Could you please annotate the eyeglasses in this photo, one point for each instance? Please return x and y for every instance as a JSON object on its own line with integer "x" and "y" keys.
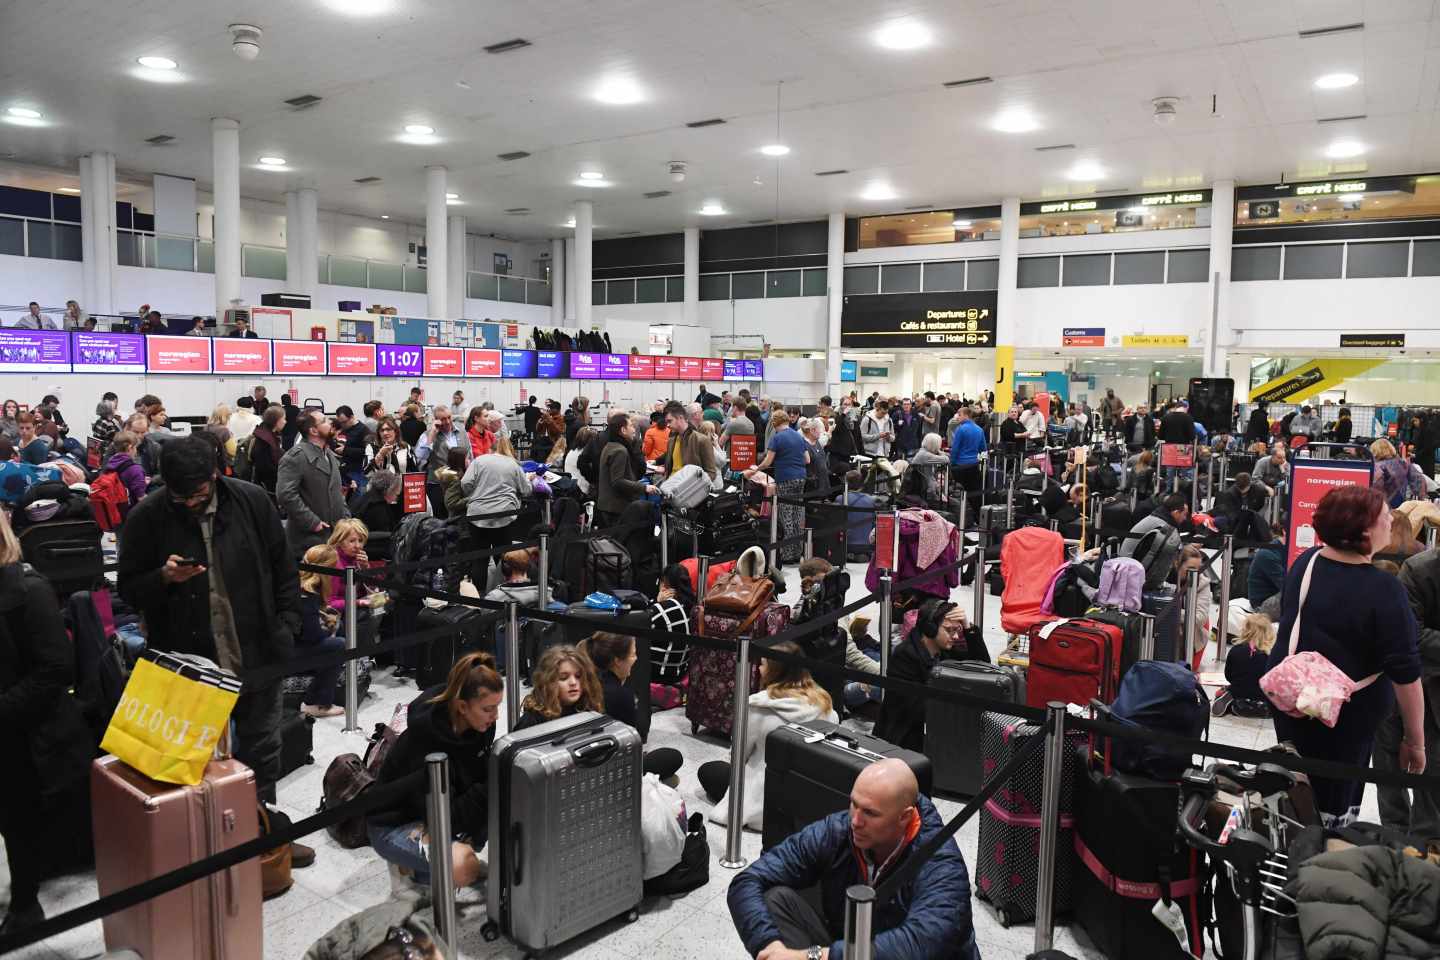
{"x": 199, "y": 496}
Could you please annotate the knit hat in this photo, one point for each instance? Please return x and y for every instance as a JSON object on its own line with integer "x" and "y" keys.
{"x": 859, "y": 626}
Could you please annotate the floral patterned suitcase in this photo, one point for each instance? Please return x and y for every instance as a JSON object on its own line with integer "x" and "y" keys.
{"x": 710, "y": 701}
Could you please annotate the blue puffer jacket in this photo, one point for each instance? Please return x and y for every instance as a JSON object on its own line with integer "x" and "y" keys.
{"x": 929, "y": 920}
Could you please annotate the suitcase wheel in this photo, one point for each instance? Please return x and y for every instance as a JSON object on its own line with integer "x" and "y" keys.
{"x": 633, "y": 915}
{"x": 694, "y": 728}
{"x": 1003, "y": 916}
{"x": 490, "y": 930}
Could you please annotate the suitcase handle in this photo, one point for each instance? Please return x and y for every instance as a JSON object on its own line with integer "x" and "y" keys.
{"x": 595, "y": 753}
{"x": 516, "y": 851}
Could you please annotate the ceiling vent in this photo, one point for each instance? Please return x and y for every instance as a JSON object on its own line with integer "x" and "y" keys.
{"x": 303, "y": 101}
{"x": 657, "y": 194}
{"x": 160, "y": 139}
{"x": 969, "y": 82}
{"x": 1356, "y": 116}
{"x": 830, "y": 173}
{"x": 757, "y": 223}
{"x": 518, "y": 211}
{"x": 1331, "y": 31}
{"x": 1055, "y": 146}
{"x": 922, "y": 206}
{"x": 514, "y": 155}
{"x": 630, "y": 233}
{"x": 507, "y": 45}
{"x": 712, "y": 122}
{"x": 366, "y": 181}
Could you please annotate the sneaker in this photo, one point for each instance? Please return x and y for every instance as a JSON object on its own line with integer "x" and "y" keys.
{"x": 313, "y": 710}
{"x": 1221, "y": 704}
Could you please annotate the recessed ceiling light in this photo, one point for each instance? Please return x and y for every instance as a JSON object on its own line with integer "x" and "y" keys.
{"x": 619, "y": 91}
{"x": 1351, "y": 197}
{"x": 903, "y": 35}
{"x": 68, "y": 190}
{"x": 712, "y": 208}
{"x": 452, "y": 196}
{"x": 591, "y": 175}
{"x": 878, "y": 191}
{"x": 1336, "y": 81}
{"x": 1016, "y": 120}
{"x": 157, "y": 63}
{"x": 569, "y": 223}
{"x": 1086, "y": 170}
{"x": 961, "y": 224}
{"x": 272, "y": 161}
{"x": 451, "y": 200}
{"x": 419, "y": 129}
{"x": 597, "y": 184}
{"x": 24, "y": 113}
{"x": 360, "y": 8}
{"x": 775, "y": 150}
{"x": 1344, "y": 149}
{"x": 384, "y": 216}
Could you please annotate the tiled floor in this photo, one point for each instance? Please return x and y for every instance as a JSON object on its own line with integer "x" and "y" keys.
{"x": 343, "y": 882}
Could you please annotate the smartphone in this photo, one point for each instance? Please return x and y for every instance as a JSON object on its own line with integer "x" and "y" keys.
{"x": 188, "y": 562}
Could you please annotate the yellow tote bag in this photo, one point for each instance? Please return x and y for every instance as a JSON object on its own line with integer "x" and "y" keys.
{"x": 170, "y": 718}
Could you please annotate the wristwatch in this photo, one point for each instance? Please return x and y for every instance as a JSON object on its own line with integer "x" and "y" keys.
{"x": 813, "y": 953}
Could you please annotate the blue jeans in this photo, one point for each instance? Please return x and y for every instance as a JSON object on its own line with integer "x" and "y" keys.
{"x": 858, "y": 693}
{"x": 405, "y": 846}
{"x": 324, "y": 683}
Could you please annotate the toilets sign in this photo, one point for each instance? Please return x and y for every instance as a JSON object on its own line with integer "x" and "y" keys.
{"x": 961, "y": 319}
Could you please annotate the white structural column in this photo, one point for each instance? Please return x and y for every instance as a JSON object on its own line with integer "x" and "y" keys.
{"x": 835, "y": 291}
{"x": 458, "y": 264}
{"x": 225, "y": 148}
{"x": 584, "y": 234}
{"x": 294, "y": 237}
{"x": 1216, "y": 362}
{"x": 97, "y": 232}
{"x": 557, "y": 281}
{"x": 571, "y": 297}
{"x": 437, "y": 259}
{"x": 692, "y": 277}
{"x": 1009, "y": 268}
{"x": 302, "y": 242}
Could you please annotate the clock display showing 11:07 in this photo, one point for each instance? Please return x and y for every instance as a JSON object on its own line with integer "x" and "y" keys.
{"x": 397, "y": 361}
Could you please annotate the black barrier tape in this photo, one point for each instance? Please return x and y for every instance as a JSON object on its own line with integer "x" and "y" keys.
{"x": 380, "y": 572}
{"x": 910, "y": 868}
{"x": 371, "y": 799}
{"x": 263, "y": 676}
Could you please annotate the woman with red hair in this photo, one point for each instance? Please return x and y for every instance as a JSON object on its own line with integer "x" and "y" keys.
{"x": 1360, "y": 619}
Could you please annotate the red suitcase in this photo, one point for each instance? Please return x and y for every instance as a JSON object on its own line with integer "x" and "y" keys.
{"x": 144, "y": 828}
{"x": 710, "y": 700}
{"x": 1074, "y": 661}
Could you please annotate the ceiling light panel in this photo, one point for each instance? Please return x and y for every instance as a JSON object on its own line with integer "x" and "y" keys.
{"x": 1344, "y": 149}
{"x": 619, "y": 91}
{"x": 775, "y": 150}
{"x": 1015, "y": 120}
{"x": 1336, "y": 81}
{"x": 905, "y": 34}
{"x": 157, "y": 63}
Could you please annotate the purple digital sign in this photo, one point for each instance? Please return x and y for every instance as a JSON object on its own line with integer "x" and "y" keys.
{"x": 107, "y": 353}
{"x": 398, "y": 360}
{"x": 754, "y": 369}
{"x": 38, "y": 351}
{"x": 585, "y": 366}
{"x": 614, "y": 366}
{"x": 734, "y": 369}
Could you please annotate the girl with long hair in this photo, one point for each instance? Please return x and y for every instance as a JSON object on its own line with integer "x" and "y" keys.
{"x": 564, "y": 682}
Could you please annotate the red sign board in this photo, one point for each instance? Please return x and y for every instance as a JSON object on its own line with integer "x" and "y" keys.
{"x": 412, "y": 493}
{"x": 443, "y": 362}
{"x": 299, "y": 358}
{"x": 666, "y": 368}
{"x": 690, "y": 368}
{"x": 1310, "y": 480}
{"x": 742, "y": 451}
{"x": 352, "y": 359}
{"x": 482, "y": 363}
{"x": 1180, "y": 455}
{"x": 884, "y": 541}
{"x": 177, "y": 354}
{"x": 236, "y": 355}
{"x": 712, "y": 368}
{"x": 642, "y": 367}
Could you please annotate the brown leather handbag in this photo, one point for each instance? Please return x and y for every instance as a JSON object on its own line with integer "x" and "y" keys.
{"x": 275, "y": 865}
{"x": 737, "y": 595}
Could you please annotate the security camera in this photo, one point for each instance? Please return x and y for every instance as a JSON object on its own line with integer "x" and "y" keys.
{"x": 677, "y": 171}
{"x": 245, "y": 40}
{"x": 1164, "y": 115}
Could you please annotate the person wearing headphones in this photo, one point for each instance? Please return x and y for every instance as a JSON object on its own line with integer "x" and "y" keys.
{"x": 939, "y": 633}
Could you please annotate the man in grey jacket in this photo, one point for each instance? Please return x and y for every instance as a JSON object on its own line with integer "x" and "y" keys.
{"x": 1420, "y": 816}
{"x": 308, "y": 485}
{"x": 1155, "y": 539}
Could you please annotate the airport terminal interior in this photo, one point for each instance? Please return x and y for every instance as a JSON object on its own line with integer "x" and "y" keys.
{"x": 1007, "y": 365}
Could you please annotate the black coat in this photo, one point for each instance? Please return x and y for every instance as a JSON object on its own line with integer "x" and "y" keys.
{"x": 46, "y": 742}
{"x": 1177, "y": 427}
{"x": 902, "y": 718}
{"x": 265, "y": 459}
{"x": 259, "y": 572}
{"x": 1258, "y": 427}
{"x": 1148, "y": 428}
{"x": 619, "y": 699}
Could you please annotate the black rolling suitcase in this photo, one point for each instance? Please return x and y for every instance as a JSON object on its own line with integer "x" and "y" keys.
{"x": 470, "y": 629}
{"x": 810, "y": 768}
{"x": 611, "y": 620}
{"x": 953, "y": 732}
{"x": 297, "y": 742}
{"x": 1131, "y": 626}
{"x": 1163, "y": 606}
{"x": 828, "y": 534}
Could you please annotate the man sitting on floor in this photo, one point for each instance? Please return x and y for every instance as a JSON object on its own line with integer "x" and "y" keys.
{"x": 887, "y": 821}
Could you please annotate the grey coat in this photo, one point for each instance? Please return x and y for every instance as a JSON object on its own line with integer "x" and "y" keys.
{"x": 308, "y": 490}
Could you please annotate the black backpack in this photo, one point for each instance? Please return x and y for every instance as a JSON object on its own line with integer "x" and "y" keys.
{"x": 693, "y": 870}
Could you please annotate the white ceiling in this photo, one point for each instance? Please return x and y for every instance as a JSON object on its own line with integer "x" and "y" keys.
{"x": 1086, "y": 69}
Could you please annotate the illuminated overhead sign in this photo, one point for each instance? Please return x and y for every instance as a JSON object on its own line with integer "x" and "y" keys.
{"x": 1167, "y": 199}
{"x": 1325, "y": 189}
{"x": 919, "y": 320}
{"x": 1069, "y": 206}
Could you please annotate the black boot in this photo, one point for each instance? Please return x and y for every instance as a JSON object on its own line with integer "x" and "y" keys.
{"x": 21, "y": 918}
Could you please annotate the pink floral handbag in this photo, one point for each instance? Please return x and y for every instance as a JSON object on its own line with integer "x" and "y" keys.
{"x": 1308, "y": 684}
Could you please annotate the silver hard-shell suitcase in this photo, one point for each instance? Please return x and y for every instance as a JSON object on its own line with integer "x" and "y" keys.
{"x": 953, "y": 732}
{"x": 564, "y": 838}
{"x": 687, "y": 488}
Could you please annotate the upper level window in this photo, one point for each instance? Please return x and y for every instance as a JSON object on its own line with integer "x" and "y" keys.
{"x": 934, "y": 226}
{"x": 1169, "y": 210}
{"x": 1338, "y": 199}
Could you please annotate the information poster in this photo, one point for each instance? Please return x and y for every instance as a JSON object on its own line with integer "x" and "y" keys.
{"x": 40, "y": 351}
{"x": 733, "y": 369}
{"x": 444, "y": 362}
{"x": 712, "y": 369}
{"x": 554, "y": 365}
{"x": 884, "y": 540}
{"x": 1310, "y": 480}
{"x": 642, "y": 367}
{"x": 176, "y": 354}
{"x": 234, "y": 355}
{"x": 690, "y": 368}
{"x": 667, "y": 368}
{"x": 585, "y": 366}
{"x": 107, "y": 353}
{"x": 754, "y": 369}
{"x": 517, "y": 363}
{"x": 742, "y": 451}
{"x": 299, "y": 358}
{"x": 1181, "y": 455}
{"x": 614, "y": 366}
{"x": 412, "y": 493}
{"x": 398, "y": 360}
{"x": 352, "y": 359}
{"x": 482, "y": 363}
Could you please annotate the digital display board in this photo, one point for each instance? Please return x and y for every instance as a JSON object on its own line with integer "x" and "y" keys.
{"x": 690, "y": 368}
{"x": 177, "y": 354}
{"x": 34, "y": 350}
{"x": 585, "y": 366}
{"x": 352, "y": 359}
{"x": 614, "y": 366}
{"x": 553, "y": 364}
{"x": 482, "y": 363}
{"x": 849, "y": 370}
{"x": 299, "y": 358}
{"x": 517, "y": 363}
{"x": 754, "y": 369}
{"x": 667, "y": 368}
{"x": 641, "y": 367}
{"x": 444, "y": 362}
{"x": 239, "y": 355}
{"x": 924, "y": 320}
{"x": 712, "y": 368}
{"x": 107, "y": 353}
{"x": 734, "y": 369}
{"x": 398, "y": 360}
